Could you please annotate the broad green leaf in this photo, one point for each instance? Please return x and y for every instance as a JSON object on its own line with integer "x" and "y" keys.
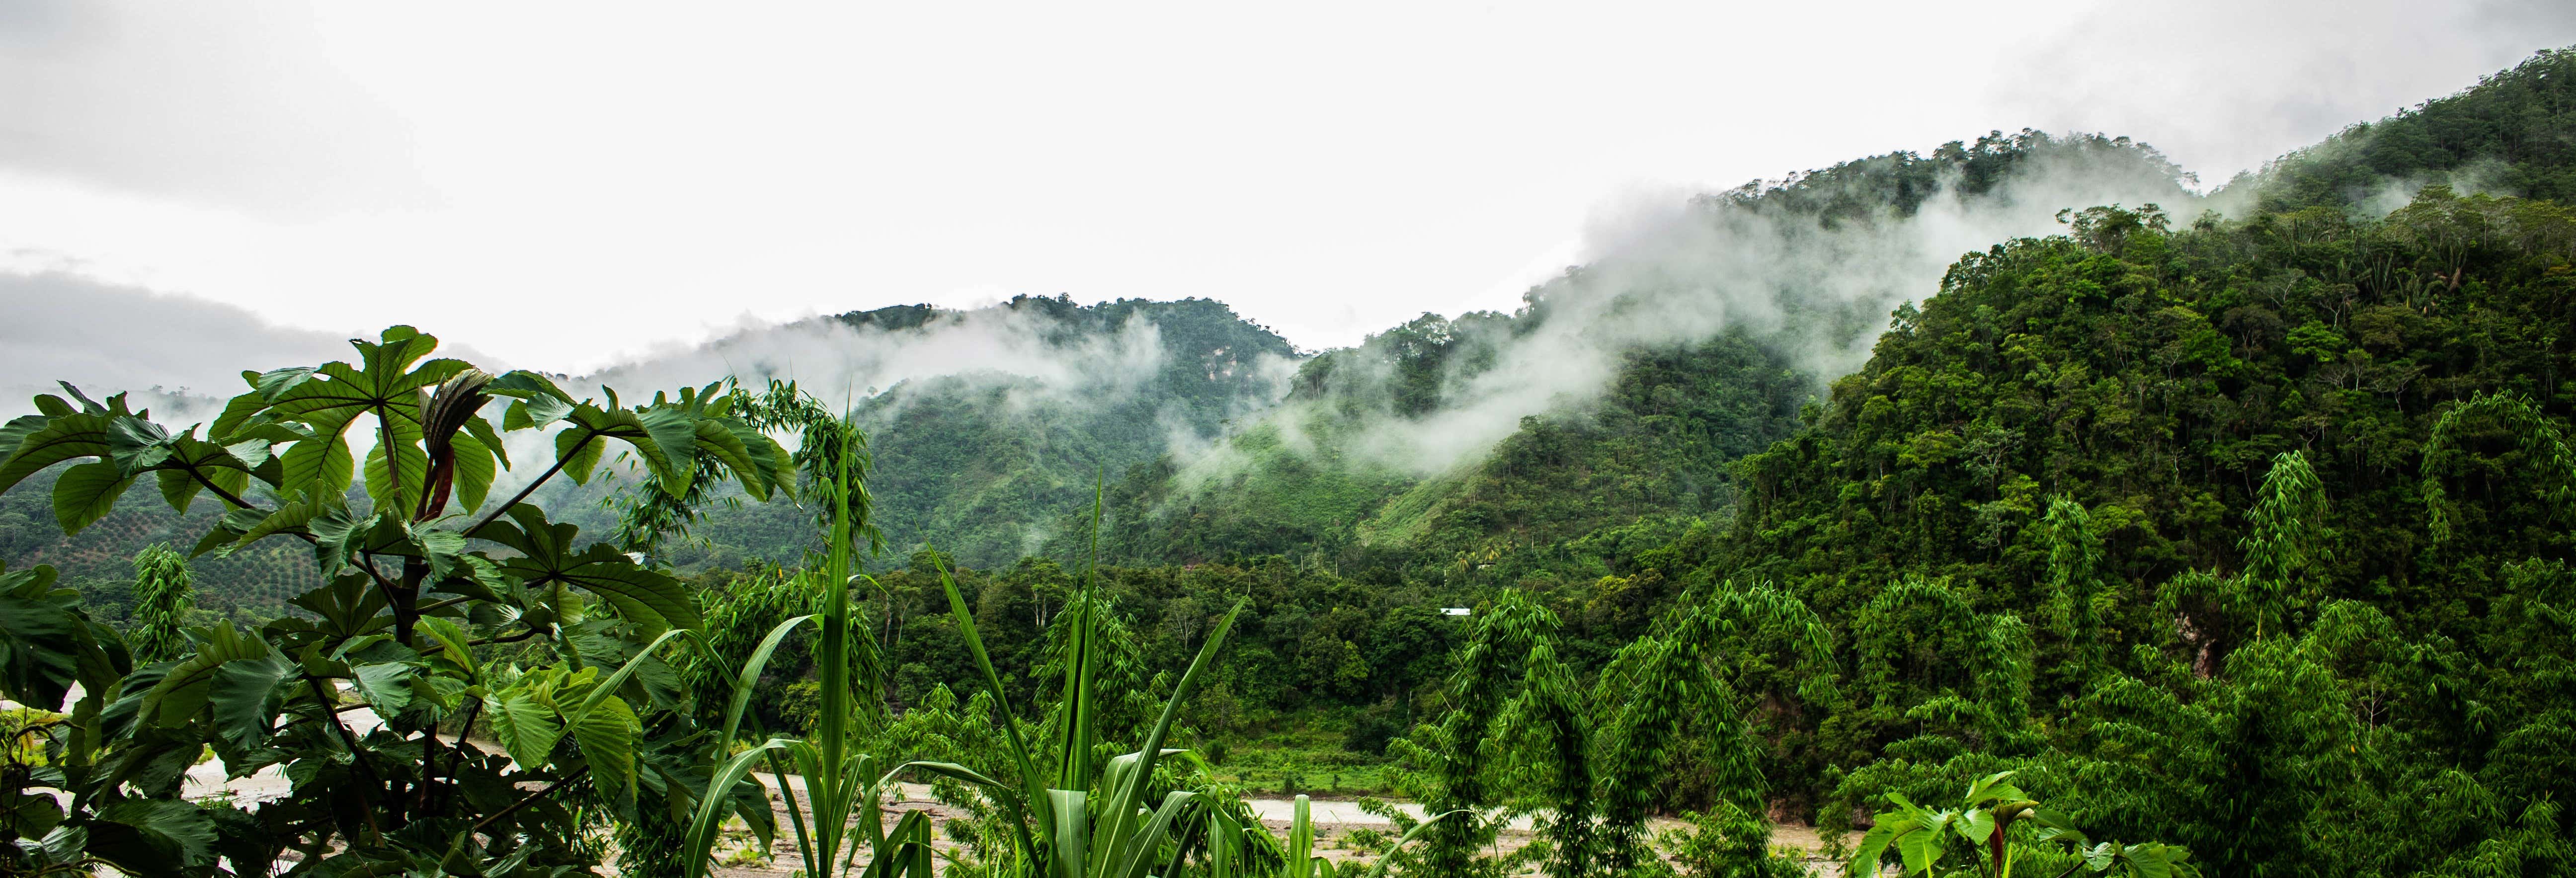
{"x": 238, "y": 412}
{"x": 444, "y": 549}
{"x": 1919, "y": 849}
{"x": 1977, "y": 826}
{"x": 241, "y": 698}
{"x": 289, "y": 518}
{"x": 317, "y": 467}
{"x": 526, "y": 726}
{"x": 276, "y": 382}
{"x": 713, "y": 437}
{"x": 776, "y": 466}
{"x": 606, "y": 734}
{"x": 546, "y": 557}
{"x": 670, "y": 446}
{"x": 135, "y": 444}
{"x": 185, "y": 689}
{"x": 490, "y": 439}
{"x": 337, "y": 393}
{"x": 153, "y": 836}
{"x": 475, "y": 469}
{"x": 45, "y": 645}
{"x": 191, "y": 463}
{"x": 386, "y": 686}
{"x": 16, "y": 431}
{"x": 178, "y": 488}
{"x": 398, "y": 490}
{"x": 525, "y": 385}
{"x": 62, "y": 438}
{"x": 85, "y": 493}
{"x": 453, "y": 643}
{"x": 30, "y": 814}
{"x": 535, "y": 411}
{"x": 578, "y": 451}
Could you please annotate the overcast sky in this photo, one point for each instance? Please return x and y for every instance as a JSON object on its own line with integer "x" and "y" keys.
{"x": 562, "y": 185}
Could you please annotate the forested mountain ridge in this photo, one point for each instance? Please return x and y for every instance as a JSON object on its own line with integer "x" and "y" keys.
{"x": 2238, "y": 522}
{"x": 984, "y": 459}
{"x": 2248, "y": 532}
{"x": 1350, "y": 470}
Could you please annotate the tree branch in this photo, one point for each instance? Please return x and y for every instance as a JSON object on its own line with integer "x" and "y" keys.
{"x": 550, "y": 472}
{"x": 450, "y": 602}
{"x": 331, "y": 717}
{"x": 507, "y": 638}
{"x": 530, "y": 798}
{"x": 237, "y": 501}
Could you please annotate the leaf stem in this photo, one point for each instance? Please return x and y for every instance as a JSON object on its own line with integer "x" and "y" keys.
{"x": 550, "y": 472}
{"x": 506, "y": 638}
{"x": 331, "y": 717}
{"x": 530, "y": 798}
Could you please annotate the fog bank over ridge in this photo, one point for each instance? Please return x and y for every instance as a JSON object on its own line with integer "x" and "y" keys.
{"x": 1812, "y": 266}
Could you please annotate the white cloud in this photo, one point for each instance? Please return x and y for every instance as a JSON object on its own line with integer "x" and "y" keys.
{"x": 570, "y": 186}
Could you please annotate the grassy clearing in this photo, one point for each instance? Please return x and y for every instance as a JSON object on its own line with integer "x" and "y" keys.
{"x": 1301, "y": 753}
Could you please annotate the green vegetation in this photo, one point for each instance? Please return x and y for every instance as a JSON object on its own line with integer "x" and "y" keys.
{"x": 2241, "y": 542}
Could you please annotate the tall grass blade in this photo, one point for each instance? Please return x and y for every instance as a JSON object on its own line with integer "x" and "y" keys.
{"x": 750, "y": 676}
{"x": 1120, "y": 813}
{"x": 712, "y": 808}
{"x": 1035, "y": 792}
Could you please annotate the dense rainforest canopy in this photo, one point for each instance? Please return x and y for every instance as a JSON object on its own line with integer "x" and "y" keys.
{"x": 2234, "y": 524}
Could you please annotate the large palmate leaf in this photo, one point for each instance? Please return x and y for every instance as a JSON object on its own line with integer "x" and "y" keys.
{"x": 546, "y": 557}
{"x": 185, "y": 690}
{"x": 526, "y": 726}
{"x": 386, "y": 385}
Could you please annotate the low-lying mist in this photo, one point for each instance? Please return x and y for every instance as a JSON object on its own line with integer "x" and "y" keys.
{"x": 1812, "y": 266}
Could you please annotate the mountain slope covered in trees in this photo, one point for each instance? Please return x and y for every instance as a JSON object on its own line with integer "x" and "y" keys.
{"x": 2241, "y": 522}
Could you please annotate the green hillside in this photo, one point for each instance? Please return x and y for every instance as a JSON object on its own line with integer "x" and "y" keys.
{"x": 2241, "y": 522}
{"x": 1585, "y": 479}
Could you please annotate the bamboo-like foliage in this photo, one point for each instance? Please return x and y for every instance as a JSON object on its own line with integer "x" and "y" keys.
{"x": 1520, "y": 729}
{"x": 1972, "y": 669}
{"x": 2074, "y": 584}
{"x": 2288, "y": 538}
{"x": 1665, "y": 684}
{"x": 163, "y": 594}
{"x": 1460, "y": 751}
{"x": 2550, "y": 462}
